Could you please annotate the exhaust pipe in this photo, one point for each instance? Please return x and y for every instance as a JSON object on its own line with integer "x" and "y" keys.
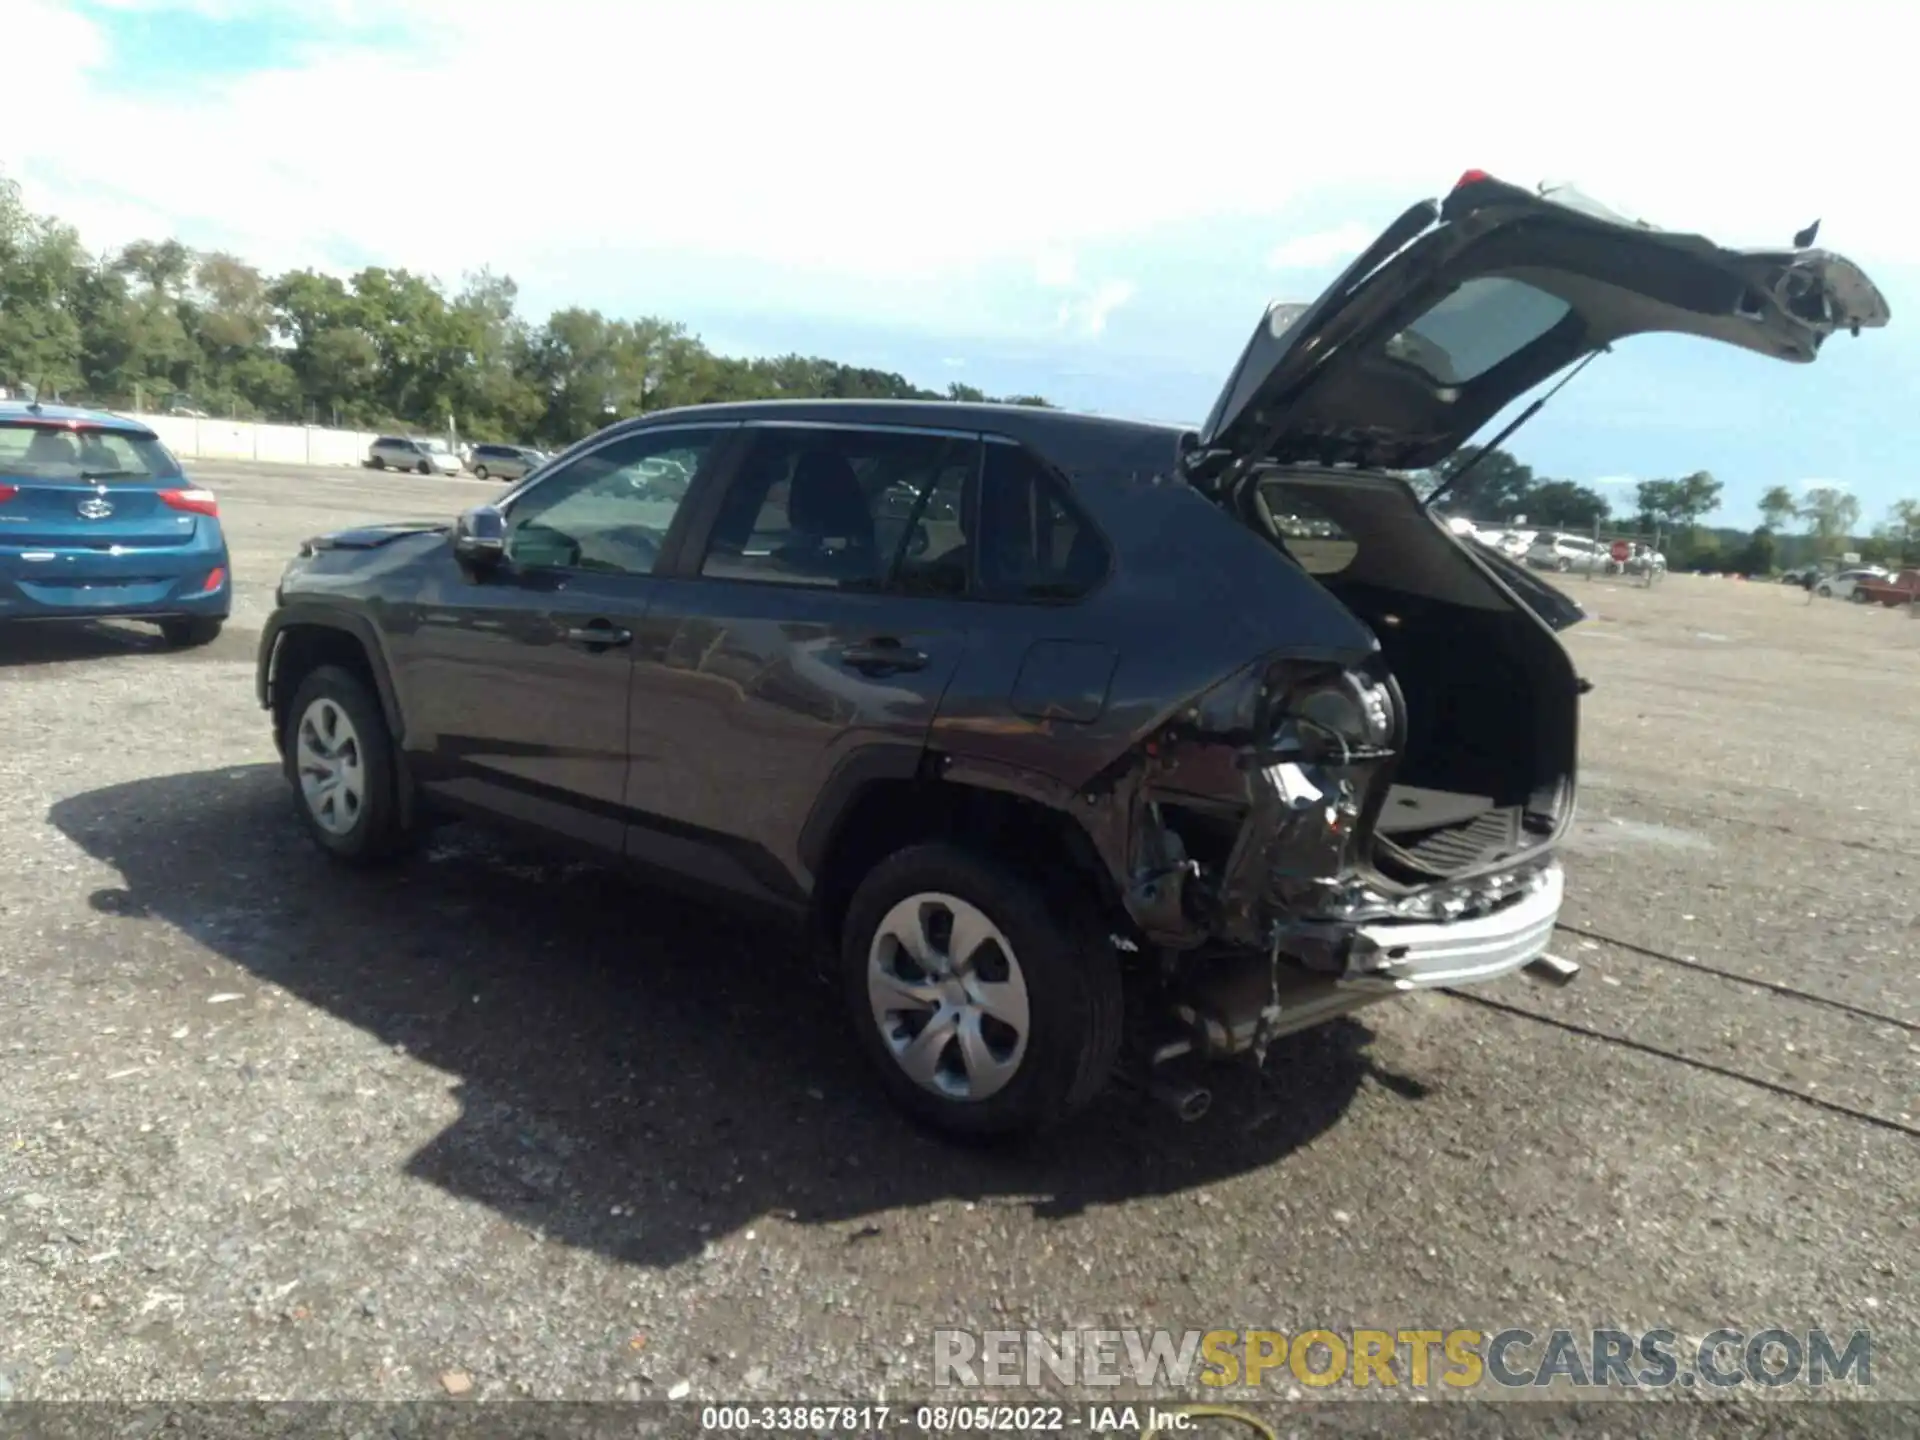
{"x": 1189, "y": 1102}
{"x": 1553, "y": 970}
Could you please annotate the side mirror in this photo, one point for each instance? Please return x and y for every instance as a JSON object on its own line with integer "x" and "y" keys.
{"x": 480, "y": 538}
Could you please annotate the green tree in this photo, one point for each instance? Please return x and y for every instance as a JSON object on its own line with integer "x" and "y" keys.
{"x": 1829, "y": 514}
{"x": 1498, "y": 488}
{"x": 1678, "y": 504}
{"x": 1903, "y": 528}
{"x": 1777, "y": 508}
{"x": 41, "y": 266}
{"x": 1563, "y": 503}
{"x": 1756, "y": 557}
{"x": 386, "y": 347}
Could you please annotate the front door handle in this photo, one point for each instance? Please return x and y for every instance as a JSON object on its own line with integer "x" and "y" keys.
{"x": 883, "y": 655}
{"x": 599, "y": 635}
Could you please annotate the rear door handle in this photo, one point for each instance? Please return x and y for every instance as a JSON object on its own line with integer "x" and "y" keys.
{"x": 883, "y": 655}
{"x": 599, "y": 635}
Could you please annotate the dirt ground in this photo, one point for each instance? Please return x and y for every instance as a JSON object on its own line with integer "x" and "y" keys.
{"x": 273, "y": 1130}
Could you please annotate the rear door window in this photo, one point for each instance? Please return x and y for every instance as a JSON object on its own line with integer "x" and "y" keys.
{"x": 847, "y": 509}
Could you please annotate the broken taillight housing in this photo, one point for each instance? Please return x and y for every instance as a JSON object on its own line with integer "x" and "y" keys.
{"x": 1350, "y": 707}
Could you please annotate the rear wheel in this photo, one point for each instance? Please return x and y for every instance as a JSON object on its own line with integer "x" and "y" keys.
{"x": 987, "y": 1008}
{"x": 340, "y": 759}
{"x": 1825, "y": 592}
{"x": 191, "y": 631}
{"x": 479, "y": 472}
{"x": 378, "y": 463}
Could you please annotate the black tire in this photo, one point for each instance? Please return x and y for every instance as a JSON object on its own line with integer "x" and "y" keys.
{"x": 1825, "y": 592}
{"x": 424, "y": 468}
{"x": 191, "y": 631}
{"x": 479, "y": 472}
{"x": 377, "y": 834}
{"x": 1562, "y": 564}
{"x": 378, "y": 463}
{"x": 1858, "y": 596}
{"x": 1072, "y": 978}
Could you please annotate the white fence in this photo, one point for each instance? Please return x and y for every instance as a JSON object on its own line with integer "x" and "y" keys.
{"x": 208, "y": 439}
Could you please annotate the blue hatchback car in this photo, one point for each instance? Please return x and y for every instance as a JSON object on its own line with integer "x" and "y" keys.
{"x": 97, "y": 522}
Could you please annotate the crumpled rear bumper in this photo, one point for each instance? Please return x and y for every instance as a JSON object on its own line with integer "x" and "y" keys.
{"x": 1239, "y": 1007}
{"x": 1425, "y": 955}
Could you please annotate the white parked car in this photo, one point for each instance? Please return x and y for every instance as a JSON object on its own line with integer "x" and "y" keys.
{"x": 1557, "y": 550}
{"x": 402, "y": 452}
{"x": 1842, "y": 586}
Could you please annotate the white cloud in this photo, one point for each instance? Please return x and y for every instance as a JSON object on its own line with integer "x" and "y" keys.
{"x": 1613, "y": 482}
{"x": 847, "y": 138}
{"x": 1325, "y": 249}
{"x": 1807, "y": 487}
{"x": 1088, "y": 313}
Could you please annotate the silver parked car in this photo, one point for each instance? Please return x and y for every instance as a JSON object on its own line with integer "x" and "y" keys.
{"x": 504, "y": 462}
{"x": 402, "y": 452}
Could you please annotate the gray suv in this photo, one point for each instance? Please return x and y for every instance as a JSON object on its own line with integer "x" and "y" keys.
{"x": 1078, "y": 746}
{"x": 410, "y": 452}
{"x": 504, "y": 462}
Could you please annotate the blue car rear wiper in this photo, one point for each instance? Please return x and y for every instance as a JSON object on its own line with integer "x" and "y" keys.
{"x": 106, "y": 474}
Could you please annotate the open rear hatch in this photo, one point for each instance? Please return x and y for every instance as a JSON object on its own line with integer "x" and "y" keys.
{"x": 1458, "y": 309}
{"x": 1461, "y": 307}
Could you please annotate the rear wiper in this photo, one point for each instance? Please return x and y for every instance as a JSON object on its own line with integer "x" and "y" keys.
{"x": 106, "y": 474}
{"x": 1497, "y": 441}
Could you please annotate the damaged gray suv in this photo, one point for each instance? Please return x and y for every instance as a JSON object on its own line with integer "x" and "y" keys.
{"x": 1079, "y": 745}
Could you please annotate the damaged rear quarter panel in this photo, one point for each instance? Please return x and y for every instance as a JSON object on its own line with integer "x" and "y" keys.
{"x": 1192, "y": 599}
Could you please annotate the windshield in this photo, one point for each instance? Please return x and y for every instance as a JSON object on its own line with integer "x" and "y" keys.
{"x": 41, "y": 450}
{"x": 439, "y": 447}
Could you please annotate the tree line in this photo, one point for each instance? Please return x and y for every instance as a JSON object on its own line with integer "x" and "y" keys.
{"x": 1502, "y": 488}
{"x": 156, "y": 325}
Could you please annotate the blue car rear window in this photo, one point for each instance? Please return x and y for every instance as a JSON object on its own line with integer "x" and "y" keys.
{"x": 44, "y": 450}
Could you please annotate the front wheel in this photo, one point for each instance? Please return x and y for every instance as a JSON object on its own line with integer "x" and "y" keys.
{"x": 987, "y": 1008}
{"x": 378, "y": 463}
{"x": 479, "y": 472}
{"x": 1825, "y": 592}
{"x": 192, "y": 631}
{"x": 424, "y": 468}
{"x": 341, "y": 761}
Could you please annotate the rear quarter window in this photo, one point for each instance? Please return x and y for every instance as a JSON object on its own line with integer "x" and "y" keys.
{"x": 1311, "y": 535}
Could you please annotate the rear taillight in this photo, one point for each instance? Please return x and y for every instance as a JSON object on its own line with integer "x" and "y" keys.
{"x": 7, "y": 492}
{"x": 200, "y": 502}
{"x": 1471, "y": 177}
{"x": 215, "y": 579}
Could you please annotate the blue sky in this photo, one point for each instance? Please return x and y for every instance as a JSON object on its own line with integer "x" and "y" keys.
{"x": 1090, "y": 202}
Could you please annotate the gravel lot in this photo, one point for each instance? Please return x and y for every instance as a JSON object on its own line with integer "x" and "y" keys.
{"x": 518, "y": 1128}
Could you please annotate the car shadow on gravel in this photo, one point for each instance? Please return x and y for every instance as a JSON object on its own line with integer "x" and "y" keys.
{"x": 45, "y": 642}
{"x": 637, "y": 1073}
